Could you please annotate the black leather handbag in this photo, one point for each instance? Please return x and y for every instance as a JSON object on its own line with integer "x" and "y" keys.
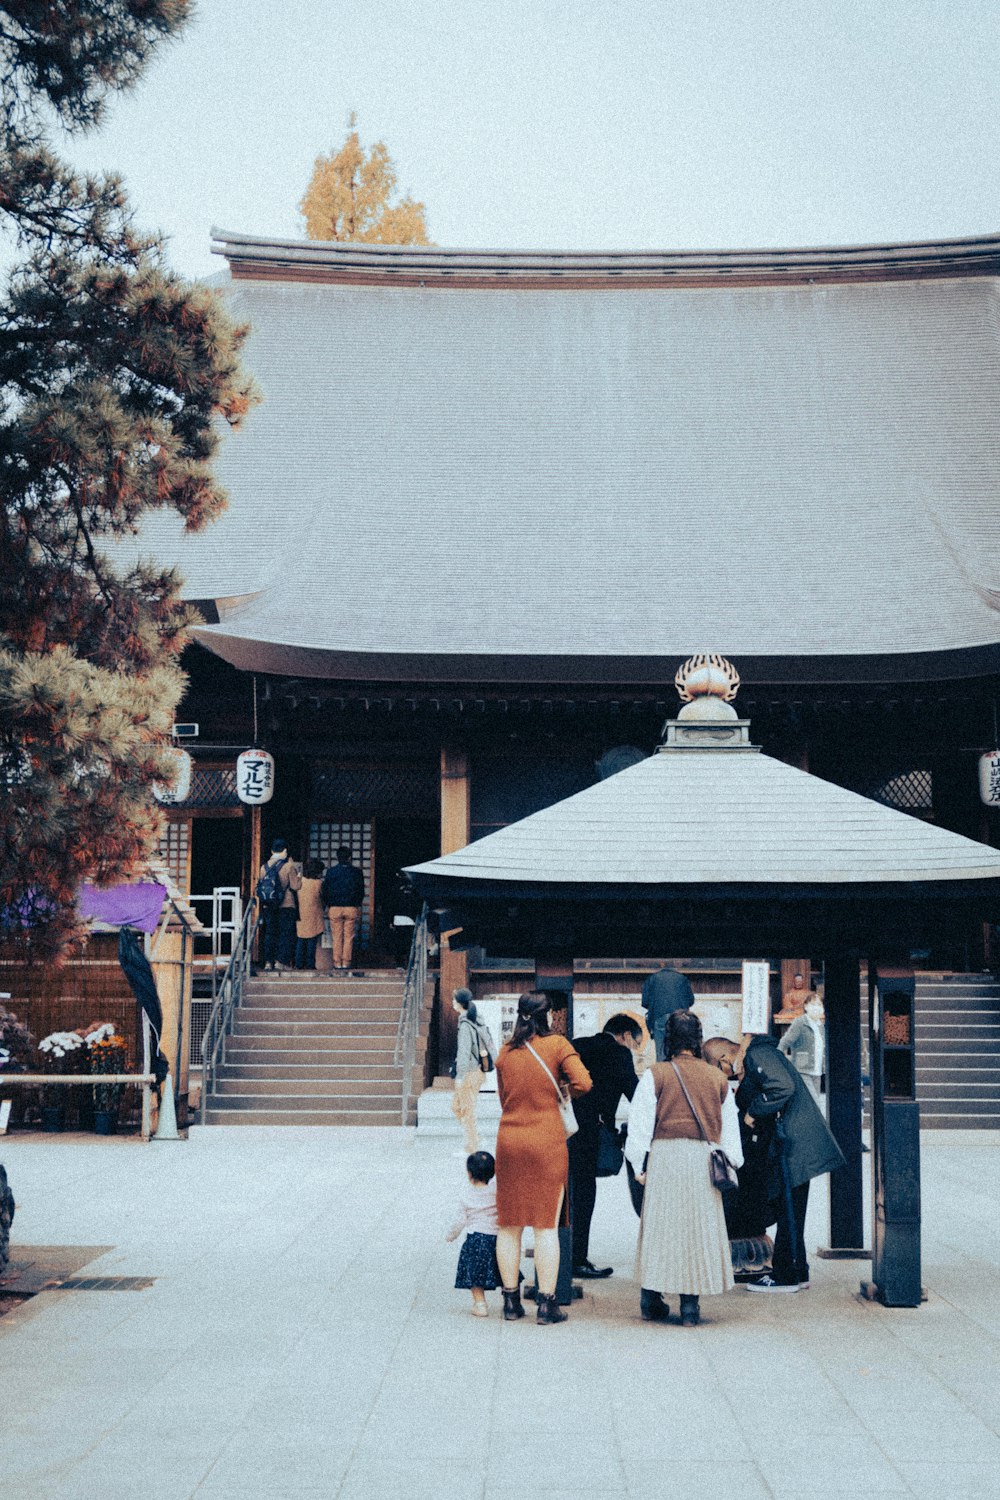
{"x": 609, "y": 1152}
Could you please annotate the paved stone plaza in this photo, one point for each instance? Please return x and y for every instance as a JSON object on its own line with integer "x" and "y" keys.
{"x": 302, "y": 1338}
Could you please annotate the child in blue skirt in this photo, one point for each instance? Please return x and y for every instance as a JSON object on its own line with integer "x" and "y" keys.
{"x": 477, "y": 1261}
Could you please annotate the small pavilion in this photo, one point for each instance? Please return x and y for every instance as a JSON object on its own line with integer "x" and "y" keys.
{"x": 709, "y": 847}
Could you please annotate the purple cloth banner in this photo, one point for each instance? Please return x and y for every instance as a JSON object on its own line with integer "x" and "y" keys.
{"x": 124, "y": 905}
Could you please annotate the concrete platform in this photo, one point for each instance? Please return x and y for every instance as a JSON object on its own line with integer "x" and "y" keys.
{"x": 302, "y": 1338}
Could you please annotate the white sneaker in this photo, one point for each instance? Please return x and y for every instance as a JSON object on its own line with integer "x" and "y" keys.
{"x": 480, "y": 1310}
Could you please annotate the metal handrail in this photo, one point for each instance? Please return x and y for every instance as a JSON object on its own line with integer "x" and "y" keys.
{"x": 409, "y": 1016}
{"x": 220, "y": 1018}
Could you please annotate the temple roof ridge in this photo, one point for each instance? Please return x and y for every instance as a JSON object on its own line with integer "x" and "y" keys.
{"x": 267, "y": 255}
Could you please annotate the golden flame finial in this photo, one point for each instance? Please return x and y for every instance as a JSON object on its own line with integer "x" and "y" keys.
{"x": 707, "y": 675}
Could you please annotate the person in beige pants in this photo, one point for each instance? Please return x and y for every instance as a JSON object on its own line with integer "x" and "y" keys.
{"x": 342, "y": 893}
{"x": 468, "y": 1073}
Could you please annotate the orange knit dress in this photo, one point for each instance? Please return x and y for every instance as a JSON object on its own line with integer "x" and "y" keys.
{"x": 532, "y": 1160}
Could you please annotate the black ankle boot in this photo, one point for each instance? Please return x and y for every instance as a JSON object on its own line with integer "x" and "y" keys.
{"x": 549, "y": 1310}
{"x": 652, "y": 1306}
{"x": 690, "y": 1312}
{"x": 512, "y": 1309}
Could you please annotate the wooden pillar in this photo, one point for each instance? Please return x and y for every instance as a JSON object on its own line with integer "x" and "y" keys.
{"x": 456, "y": 831}
{"x": 842, "y": 1001}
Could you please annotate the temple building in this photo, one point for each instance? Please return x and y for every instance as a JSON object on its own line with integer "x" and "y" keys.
{"x": 491, "y": 500}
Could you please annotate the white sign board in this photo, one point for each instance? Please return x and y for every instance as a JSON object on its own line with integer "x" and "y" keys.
{"x": 498, "y": 1013}
{"x": 989, "y": 778}
{"x": 756, "y": 996}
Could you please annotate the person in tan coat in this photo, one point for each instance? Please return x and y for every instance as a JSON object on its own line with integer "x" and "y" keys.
{"x": 532, "y": 1160}
{"x": 309, "y": 926}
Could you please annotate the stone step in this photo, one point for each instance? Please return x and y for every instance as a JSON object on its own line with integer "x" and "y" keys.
{"x": 942, "y": 1029}
{"x": 985, "y": 1107}
{"x": 287, "y": 1064}
{"x": 960, "y": 1005}
{"x": 318, "y": 994}
{"x": 307, "y": 1047}
{"x": 289, "y": 1088}
{"x": 929, "y": 1120}
{"x": 247, "y": 1026}
{"x": 269, "y": 1115}
{"x": 928, "y": 1077}
{"x": 238, "y": 1054}
{"x": 291, "y": 983}
{"x": 282, "y": 1014}
{"x": 299, "y": 1103}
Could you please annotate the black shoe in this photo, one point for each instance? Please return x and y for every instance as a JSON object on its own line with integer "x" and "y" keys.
{"x": 690, "y": 1311}
{"x": 587, "y": 1271}
{"x": 652, "y": 1307}
{"x": 549, "y": 1310}
{"x": 512, "y": 1309}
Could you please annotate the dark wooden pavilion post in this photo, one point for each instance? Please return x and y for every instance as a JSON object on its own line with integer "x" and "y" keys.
{"x": 842, "y": 1001}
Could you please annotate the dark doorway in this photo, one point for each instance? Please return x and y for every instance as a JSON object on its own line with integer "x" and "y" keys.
{"x": 398, "y": 842}
{"x": 216, "y": 853}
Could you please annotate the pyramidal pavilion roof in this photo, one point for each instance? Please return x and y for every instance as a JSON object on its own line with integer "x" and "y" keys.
{"x": 691, "y": 816}
{"x": 490, "y": 465}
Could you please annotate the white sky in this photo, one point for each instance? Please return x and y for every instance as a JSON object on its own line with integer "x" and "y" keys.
{"x": 575, "y": 123}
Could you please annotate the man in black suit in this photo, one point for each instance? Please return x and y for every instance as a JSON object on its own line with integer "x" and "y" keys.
{"x": 609, "y": 1058}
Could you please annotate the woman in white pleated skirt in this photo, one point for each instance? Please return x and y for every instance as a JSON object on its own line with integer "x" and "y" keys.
{"x": 675, "y": 1119}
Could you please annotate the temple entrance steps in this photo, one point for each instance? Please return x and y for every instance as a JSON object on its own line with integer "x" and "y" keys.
{"x": 314, "y": 1051}
{"x": 958, "y": 1051}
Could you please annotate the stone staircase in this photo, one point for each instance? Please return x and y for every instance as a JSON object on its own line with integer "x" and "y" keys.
{"x": 958, "y": 1051}
{"x": 308, "y": 1051}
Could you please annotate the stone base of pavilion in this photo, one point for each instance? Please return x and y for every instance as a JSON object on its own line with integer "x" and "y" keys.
{"x": 435, "y": 1117}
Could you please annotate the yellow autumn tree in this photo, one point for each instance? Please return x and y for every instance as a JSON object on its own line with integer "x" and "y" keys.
{"x": 348, "y": 198}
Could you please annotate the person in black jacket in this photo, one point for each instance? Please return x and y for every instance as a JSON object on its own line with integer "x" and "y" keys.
{"x": 775, "y": 1104}
{"x": 609, "y": 1058}
{"x": 342, "y": 893}
{"x": 664, "y": 992}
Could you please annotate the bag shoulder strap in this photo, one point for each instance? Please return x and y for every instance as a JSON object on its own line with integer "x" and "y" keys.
{"x": 542, "y": 1064}
{"x": 690, "y": 1101}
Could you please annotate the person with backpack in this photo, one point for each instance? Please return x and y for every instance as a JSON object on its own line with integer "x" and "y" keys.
{"x": 342, "y": 892}
{"x": 276, "y": 894}
{"x": 475, "y": 1057}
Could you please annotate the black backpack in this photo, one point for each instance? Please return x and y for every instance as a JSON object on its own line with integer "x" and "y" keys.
{"x": 270, "y": 891}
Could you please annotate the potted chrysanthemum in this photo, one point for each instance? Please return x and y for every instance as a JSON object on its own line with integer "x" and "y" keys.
{"x": 16, "y": 1050}
{"x": 107, "y": 1055}
{"x": 62, "y": 1052}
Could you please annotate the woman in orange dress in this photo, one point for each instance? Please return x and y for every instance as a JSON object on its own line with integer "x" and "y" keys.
{"x": 532, "y": 1160}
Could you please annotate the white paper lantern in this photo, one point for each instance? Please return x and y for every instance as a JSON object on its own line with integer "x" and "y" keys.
{"x": 255, "y": 777}
{"x": 989, "y": 778}
{"x": 178, "y": 789}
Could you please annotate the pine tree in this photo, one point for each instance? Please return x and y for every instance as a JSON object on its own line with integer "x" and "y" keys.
{"x": 114, "y": 374}
{"x": 348, "y": 198}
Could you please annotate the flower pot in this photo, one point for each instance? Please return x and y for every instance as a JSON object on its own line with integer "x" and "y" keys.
{"x": 53, "y": 1116}
{"x": 105, "y": 1121}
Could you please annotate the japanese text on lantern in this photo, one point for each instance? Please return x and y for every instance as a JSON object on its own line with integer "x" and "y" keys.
{"x": 255, "y": 777}
{"x": 989, "y": 779}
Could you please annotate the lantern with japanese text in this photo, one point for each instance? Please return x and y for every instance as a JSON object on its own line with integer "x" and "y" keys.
{"x": 989, "y": 778}
{"x": 179, "y": 787}
{"x": 255, "y": 777}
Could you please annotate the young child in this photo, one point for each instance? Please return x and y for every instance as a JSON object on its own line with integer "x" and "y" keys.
{"x": 477, "y": 1261}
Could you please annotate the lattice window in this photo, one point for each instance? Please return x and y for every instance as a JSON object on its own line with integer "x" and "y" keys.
{"x": 910, "y": 791}
{"x": 213, "y": 786}
{"x": 324, "y": 841}
{"x": 175, "y": 852}
{"x": 376, "y": 791}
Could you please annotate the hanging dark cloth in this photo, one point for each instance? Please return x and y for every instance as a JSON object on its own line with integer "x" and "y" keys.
{"x": 135, "y": 966}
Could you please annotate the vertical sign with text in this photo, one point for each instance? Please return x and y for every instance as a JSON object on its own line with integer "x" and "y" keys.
{"x": 756, "y": 996}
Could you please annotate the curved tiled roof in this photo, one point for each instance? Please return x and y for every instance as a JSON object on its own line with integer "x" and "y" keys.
{"x": 510, "y": 480}
{"x": 717, "y": 817}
